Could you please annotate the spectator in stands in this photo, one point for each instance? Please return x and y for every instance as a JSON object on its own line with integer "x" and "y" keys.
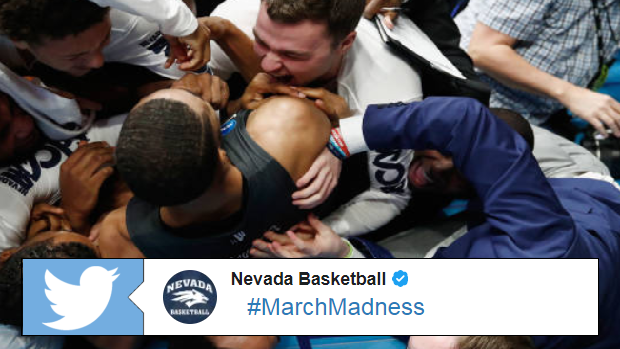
{"x": 543, "y": 57}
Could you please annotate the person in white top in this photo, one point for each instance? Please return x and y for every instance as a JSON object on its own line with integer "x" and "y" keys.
{"x": 322, "y": 44}
{"x": 49, "y": 32}
{"x": 178, "y": 24}
{"x": 129, "y": 38}
{"x": 35, "y": 179}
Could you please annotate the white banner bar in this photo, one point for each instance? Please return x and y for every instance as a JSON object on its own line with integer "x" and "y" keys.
{"x": 370, "y": 297}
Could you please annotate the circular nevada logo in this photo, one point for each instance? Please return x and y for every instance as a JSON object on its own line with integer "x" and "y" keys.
{"x": 190, "y": 297}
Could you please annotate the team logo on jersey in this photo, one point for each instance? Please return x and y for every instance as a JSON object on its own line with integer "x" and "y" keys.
{"x": 228, "y": 126}
{"x": 190, "y": 297}
{"x": 23, "y": 176}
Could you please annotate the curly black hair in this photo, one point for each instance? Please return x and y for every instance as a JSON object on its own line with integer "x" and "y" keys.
{"x": 34, "y": 21}
{"x": 166, "y": 153}
{"x": 11, "y": 296}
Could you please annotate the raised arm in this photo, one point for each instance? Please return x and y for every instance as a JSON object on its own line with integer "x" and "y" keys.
{"x": 235, "y": 44}
{"x": 174, "y": 17}
{"x": 177, "y": 21}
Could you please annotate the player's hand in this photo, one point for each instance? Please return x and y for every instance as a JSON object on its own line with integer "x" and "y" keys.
{"x": 377, "y": 6}
{"x": 178, "y": 52}
{"x": 323, "y": 244}
{"x": 81, "y": 177}
{"x": 45, "y": 217}
{"x": 598, "y": 109}
{"x": 191, "y": 52}
{"x": 331, "y": 104}
{"x": 262, "y": 87}
{"x": 210, "y": 88}
{"x": 199, "y": 53}
{"x": 260, "y": 247}
{"x": 319, "y": 182}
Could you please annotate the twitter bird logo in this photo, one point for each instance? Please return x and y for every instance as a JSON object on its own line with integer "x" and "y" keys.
{"x": 83, "y": 304}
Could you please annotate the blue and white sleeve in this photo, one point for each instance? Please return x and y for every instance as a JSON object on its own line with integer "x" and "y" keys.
{"x": 172, "y": 16}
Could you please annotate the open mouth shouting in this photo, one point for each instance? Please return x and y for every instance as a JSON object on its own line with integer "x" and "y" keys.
{"x": 418, "y": 175}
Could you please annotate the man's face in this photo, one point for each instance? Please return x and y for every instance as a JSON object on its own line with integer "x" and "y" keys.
{"x": 430, "y": 171}
{"x": 74, "y": 54}
{"x": 297, "y": 54}
{"x": 19, "y": 135}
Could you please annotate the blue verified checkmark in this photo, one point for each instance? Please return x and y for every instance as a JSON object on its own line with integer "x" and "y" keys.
{"x": 400, "y": 278}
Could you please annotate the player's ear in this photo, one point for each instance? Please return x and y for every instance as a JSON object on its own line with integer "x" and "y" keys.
{"x": 346, "y": 44}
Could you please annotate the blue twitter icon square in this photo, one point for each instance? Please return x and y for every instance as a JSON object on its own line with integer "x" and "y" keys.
{"x": 81, "y": 296}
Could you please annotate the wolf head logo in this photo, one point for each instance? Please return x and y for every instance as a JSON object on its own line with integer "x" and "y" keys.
{"x": 190, "y": 297}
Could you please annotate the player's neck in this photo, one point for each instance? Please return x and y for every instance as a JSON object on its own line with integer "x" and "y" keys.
{"x": 223, "y": 199}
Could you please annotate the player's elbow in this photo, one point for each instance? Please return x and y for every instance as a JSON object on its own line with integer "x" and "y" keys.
{"x": 478, "y": 53}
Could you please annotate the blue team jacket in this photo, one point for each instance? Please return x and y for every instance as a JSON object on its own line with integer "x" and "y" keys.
{"x": 523, "y": 214}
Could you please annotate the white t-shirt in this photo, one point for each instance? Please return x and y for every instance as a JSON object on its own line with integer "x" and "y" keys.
{"x": 136, "y": 41}
{"x": 133, "y": 40}
{"x": 172, "y": 16}
{"x": 36, "y": 180}
{"x": 370, "y": 74}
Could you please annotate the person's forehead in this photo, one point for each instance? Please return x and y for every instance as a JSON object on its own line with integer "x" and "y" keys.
{"x": 306, "y": 35}
{"x": 58, "y": 237}
{"x": 180, "y": 95}
{"x": 197, "y": 104}
{"x": 84, "y": 42}
{"x": 65, "y": 236}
